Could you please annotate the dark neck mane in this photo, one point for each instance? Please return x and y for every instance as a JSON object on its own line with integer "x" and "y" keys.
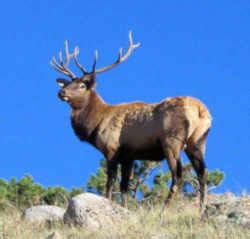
{"x": 86, "y": 119}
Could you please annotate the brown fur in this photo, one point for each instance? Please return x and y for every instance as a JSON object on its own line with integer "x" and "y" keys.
{"x": 126, "y": 132}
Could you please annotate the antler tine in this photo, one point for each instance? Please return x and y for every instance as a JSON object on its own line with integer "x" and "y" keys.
{"x": 60, "y": 57}
{"x": 121, "y": 58}
{"x": 76, "y": 53}
{"x": 63, "y": 67}
{"x": 95, "y": 61}
{"x": 119, "y": 54}
{"x": 67, "y": 54}
{"x": 132, "y": 46}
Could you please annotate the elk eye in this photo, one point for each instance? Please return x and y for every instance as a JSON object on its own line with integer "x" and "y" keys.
{"x": 82, "y": 85}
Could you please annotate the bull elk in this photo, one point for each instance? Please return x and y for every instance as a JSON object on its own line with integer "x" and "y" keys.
{"x": 137, "y": 130}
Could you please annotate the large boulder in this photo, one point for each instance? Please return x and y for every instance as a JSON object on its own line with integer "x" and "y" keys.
{"x": 93, "y": 212}
{"x": 44, "y": 213}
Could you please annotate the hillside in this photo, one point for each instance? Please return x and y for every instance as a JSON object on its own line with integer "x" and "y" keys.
{"x": 228, "y": 216}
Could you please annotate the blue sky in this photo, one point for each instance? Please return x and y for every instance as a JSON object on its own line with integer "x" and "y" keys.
{"x": 191, "y": 47}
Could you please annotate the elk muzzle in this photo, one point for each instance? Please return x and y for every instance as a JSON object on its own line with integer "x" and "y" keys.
{"x": 62, "y": 95}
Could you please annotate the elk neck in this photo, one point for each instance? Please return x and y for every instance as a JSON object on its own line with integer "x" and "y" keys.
{"x": 86, "y": 117}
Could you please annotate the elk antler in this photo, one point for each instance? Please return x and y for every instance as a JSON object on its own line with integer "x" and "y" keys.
{"x": 77, "y": 51}
{"x": 121, "y": 58}
{"x": 63, "y": 67}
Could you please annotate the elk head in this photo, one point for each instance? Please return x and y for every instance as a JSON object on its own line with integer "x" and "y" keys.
{"x": 77, "y": 89}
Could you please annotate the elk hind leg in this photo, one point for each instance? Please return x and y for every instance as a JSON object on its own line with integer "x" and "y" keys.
{"x": 196, "y": 151}
{"x": 172, "y": 154}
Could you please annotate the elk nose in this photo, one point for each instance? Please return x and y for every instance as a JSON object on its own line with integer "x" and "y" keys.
{"x": 62, "y": 93}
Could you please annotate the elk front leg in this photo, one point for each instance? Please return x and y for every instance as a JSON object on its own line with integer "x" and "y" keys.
{"x": 126, "y": 169}
{"x": 111, "y": 173}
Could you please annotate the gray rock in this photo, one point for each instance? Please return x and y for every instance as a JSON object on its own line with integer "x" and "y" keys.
{"x": 93, "y": 212}
{"x": 229, "y": 210}
{"x": 44, "y": 214}
{"x": 54, "y": 235}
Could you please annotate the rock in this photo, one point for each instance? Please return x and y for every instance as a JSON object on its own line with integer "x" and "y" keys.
{"x": 54, "y": 235}
{"x": 93, "y": 212}
{"x": 44, "y": 214}
{"x": 229, "y": 209}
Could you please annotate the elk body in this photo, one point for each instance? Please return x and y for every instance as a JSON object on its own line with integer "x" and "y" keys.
{"x": 126, "y": 132}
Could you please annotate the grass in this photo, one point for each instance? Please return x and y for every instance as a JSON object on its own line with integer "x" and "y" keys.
{"x": 181, "y": 220}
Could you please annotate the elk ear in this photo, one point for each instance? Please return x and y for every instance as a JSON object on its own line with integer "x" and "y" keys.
{"x": 90, "y": 84}
{"x": 62, "y": 82}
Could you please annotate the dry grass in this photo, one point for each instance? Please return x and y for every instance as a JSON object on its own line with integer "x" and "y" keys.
{"x": 182, "y": 220}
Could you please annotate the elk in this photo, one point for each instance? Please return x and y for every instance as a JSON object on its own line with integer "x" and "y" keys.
{"x": 137, "y": 130}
